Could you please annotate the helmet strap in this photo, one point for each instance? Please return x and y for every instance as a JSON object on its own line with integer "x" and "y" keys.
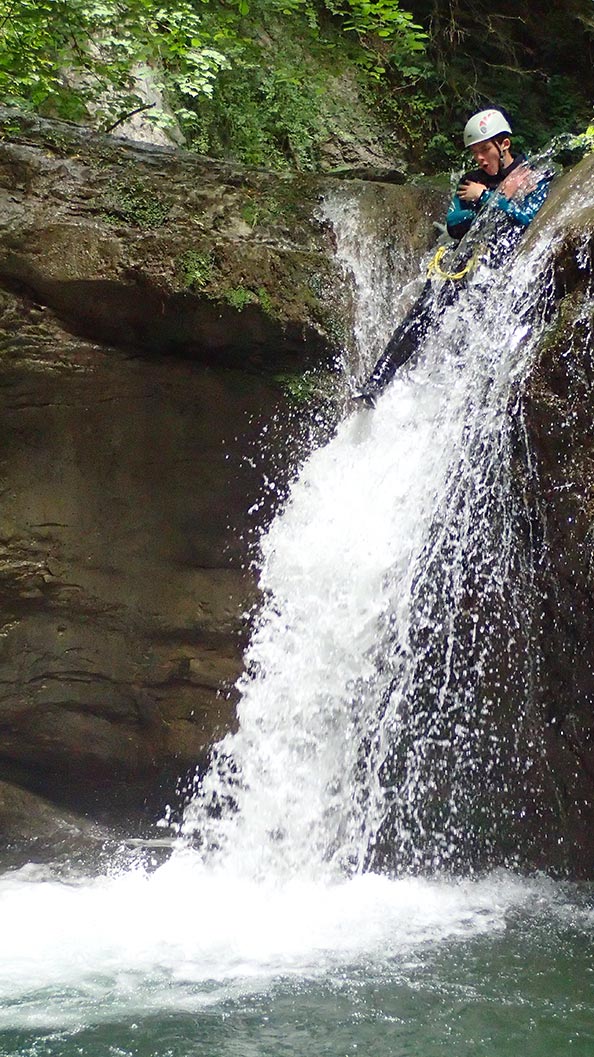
{"x": 501, "y": 155}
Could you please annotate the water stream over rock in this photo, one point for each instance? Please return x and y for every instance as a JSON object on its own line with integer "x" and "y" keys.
{"x": 386, "y": 705}
{"x": 322, "y": 897}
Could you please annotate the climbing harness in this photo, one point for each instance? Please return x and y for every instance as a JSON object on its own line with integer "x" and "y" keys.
{"x": 435, "y": 267}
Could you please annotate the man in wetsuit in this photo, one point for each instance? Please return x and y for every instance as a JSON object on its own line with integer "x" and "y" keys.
{"x": 500, "y": 178}
{"x": 487, "y": 134}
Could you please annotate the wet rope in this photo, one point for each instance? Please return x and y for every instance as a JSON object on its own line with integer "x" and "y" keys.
{"x": 435, "y": 267}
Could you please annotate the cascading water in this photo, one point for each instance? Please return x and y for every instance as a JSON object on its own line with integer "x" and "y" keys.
{"x": 384, "y": 726}
{"x": 396, "y": 626}
{"x": 375, "y": 263}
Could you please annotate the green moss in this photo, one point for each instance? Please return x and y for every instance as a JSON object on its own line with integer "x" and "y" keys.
{"x": 10, "y": 130}
{"x": 136, "y": 204}
{"x": 251, "y": 212}
{"x": 266, "y": 302}
{"x": 305, "y": 387}
{"x": 239, "y": 297}
{"x": 267, "y": 207}
{"x": 196, "y": 268}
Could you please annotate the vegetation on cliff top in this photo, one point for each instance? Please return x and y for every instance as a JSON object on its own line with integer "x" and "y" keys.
{"x": 276, "y": 82}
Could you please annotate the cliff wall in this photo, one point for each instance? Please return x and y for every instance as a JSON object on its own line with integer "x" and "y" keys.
{"x": 155, "y": 309}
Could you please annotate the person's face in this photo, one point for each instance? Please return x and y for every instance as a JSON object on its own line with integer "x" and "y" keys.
{"x": 486, "y": 155}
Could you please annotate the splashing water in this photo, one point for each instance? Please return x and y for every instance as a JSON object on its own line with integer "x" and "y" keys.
{"x": 387, "y": 687}
{"x": 374, "y": 262}
{"x": 394, "y": 639}
{"x": 187, "y": 939}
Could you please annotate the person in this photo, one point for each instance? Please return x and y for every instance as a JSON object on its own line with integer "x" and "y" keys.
{"x": 500, "y": 177}
{"x": 514, "y": 191}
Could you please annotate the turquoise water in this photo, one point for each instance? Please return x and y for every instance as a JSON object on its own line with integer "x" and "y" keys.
{"x": 405, "y": 968}
{"x": 520, "y": 993}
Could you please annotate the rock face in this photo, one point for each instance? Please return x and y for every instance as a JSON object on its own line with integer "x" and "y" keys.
{"x": 152, "y": 249}
{"x": 148, "y": 301}
{"x": 120, "y": 567}
{"x": 560, "y": 421}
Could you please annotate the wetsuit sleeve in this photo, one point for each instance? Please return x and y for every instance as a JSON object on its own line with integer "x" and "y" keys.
{"x": 461, "y": 215}
{"x": 525, "y": 211}
{"x": 459, "y": 218}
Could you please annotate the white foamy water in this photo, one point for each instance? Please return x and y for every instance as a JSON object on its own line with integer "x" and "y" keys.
{"x": 186, "y": 937}
{"x": 375, "y": 260}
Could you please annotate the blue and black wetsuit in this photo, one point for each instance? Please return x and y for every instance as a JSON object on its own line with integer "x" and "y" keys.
{"x": 461, "y": 215}
{"x": 431, "y": 302}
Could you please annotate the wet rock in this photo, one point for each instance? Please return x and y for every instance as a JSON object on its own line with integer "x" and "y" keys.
{"x": 123, "y": 539}
{"x": 560, "y": 422}
{"x": 24, "y": 815}
{"x": 153, "y": 248}
{"x": 150, "y": 301}
{"x": 374, "y": 173}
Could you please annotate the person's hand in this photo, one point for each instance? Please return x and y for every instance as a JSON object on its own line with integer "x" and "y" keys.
{"x": 519, "y": 182}
{"x": 471, "y": 190}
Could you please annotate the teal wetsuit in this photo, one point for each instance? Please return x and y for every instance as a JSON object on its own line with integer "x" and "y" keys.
{"x": 461, "y": 215}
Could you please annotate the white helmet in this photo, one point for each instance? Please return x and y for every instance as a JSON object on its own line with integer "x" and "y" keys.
{"x": 485, "y": 125}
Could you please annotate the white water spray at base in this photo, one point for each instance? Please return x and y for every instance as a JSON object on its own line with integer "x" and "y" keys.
{"x": 97, "y": 950}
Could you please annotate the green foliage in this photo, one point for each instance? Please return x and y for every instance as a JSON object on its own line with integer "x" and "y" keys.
{"x": 440, "y": 152}
{"x": 565, "y": 106}
{"x": 265, "y": 301}
{"x": 197, "y": 268}
{"x": 238, "y": 297}
{"x": 383, "y": 18}
{"x": 536, "y": 62}
{"x": 54, "y": 59}
{"x": 321, "y": 71}
{"x": 274, "y": 83}
{"x": 568, "y": 149}
{"x": 251, "y": 79}
{"x": 135, "y": 204}
{"x": 587, "y": 138}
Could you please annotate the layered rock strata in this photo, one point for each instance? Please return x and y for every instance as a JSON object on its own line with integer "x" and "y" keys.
{"x": 153, "y": 305}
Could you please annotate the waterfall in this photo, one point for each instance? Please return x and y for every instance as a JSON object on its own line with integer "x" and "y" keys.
{"x": 375, "y": 261}
{"x": 385, "y": 705}
{"x": 385, "y": 730}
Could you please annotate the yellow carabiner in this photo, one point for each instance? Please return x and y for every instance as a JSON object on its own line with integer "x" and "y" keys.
{"x": 435, "y": 266}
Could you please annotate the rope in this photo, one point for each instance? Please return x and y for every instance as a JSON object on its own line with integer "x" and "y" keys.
{"x": 435, "y": 266}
